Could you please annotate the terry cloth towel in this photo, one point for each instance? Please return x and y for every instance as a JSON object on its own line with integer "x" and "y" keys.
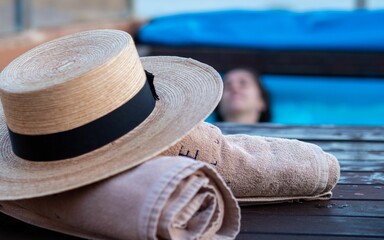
{"x": 164, "y": 198}
{"x": 263, "y": 169}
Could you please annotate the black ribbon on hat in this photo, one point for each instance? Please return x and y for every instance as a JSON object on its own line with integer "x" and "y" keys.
{"x": 93, "y": 135}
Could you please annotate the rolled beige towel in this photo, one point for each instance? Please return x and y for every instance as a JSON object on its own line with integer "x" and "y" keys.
{"x": 164, "y": 198}
{"x": 263, "y": 169}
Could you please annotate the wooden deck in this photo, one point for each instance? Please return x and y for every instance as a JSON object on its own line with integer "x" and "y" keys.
{"x": 287, "y": 62}
{"x": 356, "y": 210}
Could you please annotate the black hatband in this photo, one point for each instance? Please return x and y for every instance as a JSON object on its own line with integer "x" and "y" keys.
{"x": 93, "y": 135}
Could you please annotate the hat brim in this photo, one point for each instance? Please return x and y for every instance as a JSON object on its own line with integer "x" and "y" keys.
{"x": 188, "y": 90}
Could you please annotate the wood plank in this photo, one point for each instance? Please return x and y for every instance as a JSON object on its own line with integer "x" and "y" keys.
{"x": 361, "y": 165}
{"x": 358, "y": 146}
{"x": 298, "y": 62}
{"x": 315, "y": 208}
{"x": 361, "y": 155}
{"x": 368, "y": 178}
{"x": 318, "y": 208}
{"x": 23, "y": 232}
{"x": 252, "y": 222}
{"x": 353, "y": 150}
{"x": 358, "y": 192}
{"x": 356, "y": 210}
{"x": 11, "y": 228}
{"x": 272, "y": 236}
{"x": 314, "y": 225}
{"x": 308, "y": 133}
{"x": 351, "y": 208}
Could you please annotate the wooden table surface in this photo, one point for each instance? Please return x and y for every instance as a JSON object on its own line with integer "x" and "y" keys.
{"x": 356, "y": 210}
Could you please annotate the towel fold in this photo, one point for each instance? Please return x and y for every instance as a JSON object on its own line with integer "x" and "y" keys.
{"x": 164, "y": 198}
{"x": 263, "y": 169}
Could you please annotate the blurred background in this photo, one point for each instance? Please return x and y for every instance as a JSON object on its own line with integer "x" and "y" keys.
{"x": 21, "y": 14}
{"x": 322, "y": 62}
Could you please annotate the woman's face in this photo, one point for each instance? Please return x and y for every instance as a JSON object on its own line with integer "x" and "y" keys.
{"x": 241, "y": 94}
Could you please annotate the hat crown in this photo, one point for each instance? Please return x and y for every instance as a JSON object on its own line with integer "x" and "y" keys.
{"x": 71, "y": 81}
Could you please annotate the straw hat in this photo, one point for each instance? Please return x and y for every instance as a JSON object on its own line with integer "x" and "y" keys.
{"x": 81, "y": 108}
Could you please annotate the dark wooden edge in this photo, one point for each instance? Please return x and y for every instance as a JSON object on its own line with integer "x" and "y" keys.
{"x": 286, "y": 62}
{"x": 309, "y": 132}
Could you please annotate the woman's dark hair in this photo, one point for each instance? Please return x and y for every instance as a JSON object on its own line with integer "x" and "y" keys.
{"x": 265, "y": 115}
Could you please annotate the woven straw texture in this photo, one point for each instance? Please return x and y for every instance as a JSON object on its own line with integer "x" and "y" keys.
{"x": 50, "y": 90}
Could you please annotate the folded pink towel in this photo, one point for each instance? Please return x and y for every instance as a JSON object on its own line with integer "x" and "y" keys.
{"x": 263, "y": 169}
{"x": 164, "y": 198}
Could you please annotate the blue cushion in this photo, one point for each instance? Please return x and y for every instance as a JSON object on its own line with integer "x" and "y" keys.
{"x": 277, "y": 29}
